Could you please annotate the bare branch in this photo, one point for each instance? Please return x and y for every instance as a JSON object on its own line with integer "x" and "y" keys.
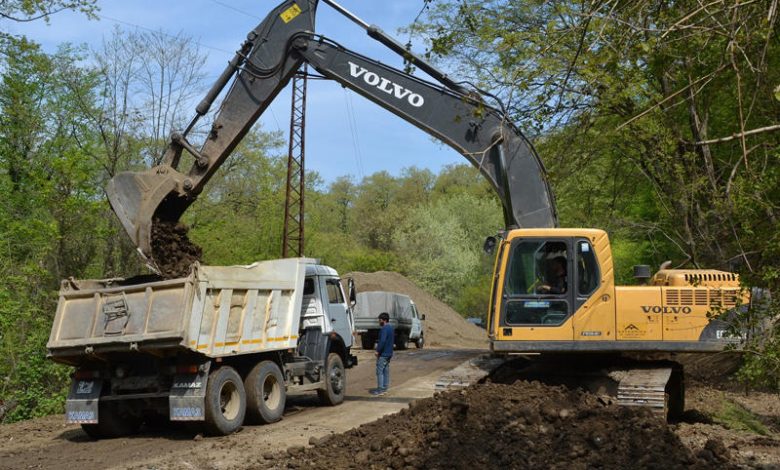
{"x": 740, "y": 135}
{"x": 709, "y": 76}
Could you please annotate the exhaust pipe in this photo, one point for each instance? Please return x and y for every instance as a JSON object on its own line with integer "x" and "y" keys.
{"x": 141, "y": 199}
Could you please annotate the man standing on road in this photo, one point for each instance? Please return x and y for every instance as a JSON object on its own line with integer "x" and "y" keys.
{"x": 384, "y": 352}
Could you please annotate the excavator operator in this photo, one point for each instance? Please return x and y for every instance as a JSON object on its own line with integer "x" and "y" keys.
{"x": 555, "y": 277}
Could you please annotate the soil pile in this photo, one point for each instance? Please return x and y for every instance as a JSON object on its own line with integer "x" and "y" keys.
{"x": 519, "y": 425}
{"x": 443, "y": 326}
{"x": 172, "y": 250}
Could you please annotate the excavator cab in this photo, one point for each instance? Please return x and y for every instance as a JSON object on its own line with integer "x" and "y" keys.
{"x": 548, "y": 276}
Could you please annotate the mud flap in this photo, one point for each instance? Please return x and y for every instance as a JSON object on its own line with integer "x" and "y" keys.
{"x": 81, "y": 406}
{"x": 187, "y": 401}
{"x": 352, "y": 361}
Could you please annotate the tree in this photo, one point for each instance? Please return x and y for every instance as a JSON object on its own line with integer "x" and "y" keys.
{"x": 377, "y": 210}
{"x": 439, "y": 247}
{"x": 656, "y": 120}
{"x": 238, "y": 219}
{"x": 48, "y": 216}
{"x": 148, "y": 81}
{"x": 31, "y": 10}
{"x": 638, "y": 89}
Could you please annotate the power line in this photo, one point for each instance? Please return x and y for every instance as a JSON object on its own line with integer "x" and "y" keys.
{"x": 352, "y": 123}
{"x": 127, "y": 23}
{"x": 231, "y": 7}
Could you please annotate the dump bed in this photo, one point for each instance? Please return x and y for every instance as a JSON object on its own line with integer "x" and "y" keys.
{"x": 370, "y": 304}
{"x": 216, "y": 311}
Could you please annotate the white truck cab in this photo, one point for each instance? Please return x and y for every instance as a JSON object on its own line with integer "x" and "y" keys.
{"x": 325, "y": 304}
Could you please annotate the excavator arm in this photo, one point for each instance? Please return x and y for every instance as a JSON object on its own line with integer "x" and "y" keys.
{"x": 267, "y": 61}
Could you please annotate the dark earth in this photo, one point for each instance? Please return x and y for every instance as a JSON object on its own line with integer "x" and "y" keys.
{"x": 519, "y": 425}
{"x": 172, "y": 250}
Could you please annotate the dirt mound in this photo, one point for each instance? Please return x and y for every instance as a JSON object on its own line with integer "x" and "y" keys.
{"x": 522, "y": 425}
{"x": 443, "y": 326}
{"x": 172, "y": 250}
{"x": 714, "y": 369}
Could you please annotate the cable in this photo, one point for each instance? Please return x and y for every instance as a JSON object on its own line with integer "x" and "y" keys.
{"x": 273, "y": 115}
{"x": 127, "y": 23}
{"x": 231, "y": 7}
{"x": 352, "y": 123}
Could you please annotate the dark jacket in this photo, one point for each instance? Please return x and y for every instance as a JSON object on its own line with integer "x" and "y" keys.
{"x": 386, "y": 338}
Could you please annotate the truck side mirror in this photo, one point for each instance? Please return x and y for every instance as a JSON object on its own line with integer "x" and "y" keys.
{"x": 422, "y": 317}
{"x": 490, "y": 245}
{"x": 352, "y": 292}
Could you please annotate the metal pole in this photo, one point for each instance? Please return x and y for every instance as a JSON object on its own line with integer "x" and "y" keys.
{"x": 293, "y": 237}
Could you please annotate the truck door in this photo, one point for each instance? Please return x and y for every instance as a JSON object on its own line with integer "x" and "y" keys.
{"x": 416, "y": 324}
{"x": 338, "y": 312}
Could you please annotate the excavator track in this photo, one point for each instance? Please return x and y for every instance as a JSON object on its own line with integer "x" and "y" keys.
{"x": 660, "y": 389}
{"x": 657, "y": 385}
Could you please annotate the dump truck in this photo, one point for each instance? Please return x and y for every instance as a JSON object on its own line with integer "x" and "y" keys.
{"x": 222, "y": 346}
{"x": 406, "y": 320}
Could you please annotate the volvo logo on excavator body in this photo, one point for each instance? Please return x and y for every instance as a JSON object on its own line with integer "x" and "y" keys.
{"x": 381, "y": 83}
{"x": 659, "y": 309}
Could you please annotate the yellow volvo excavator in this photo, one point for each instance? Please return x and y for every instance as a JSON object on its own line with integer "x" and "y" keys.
{"x": 553, "y": 290}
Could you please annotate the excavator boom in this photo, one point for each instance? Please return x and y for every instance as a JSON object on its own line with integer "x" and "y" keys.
{"x": 267, "y": 61}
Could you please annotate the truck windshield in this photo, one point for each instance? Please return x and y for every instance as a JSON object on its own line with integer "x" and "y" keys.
{"x": 537, "y": 285}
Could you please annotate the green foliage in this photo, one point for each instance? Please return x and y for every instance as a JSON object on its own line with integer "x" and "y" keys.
{"x": 29, "y": 10}
{"x": 238, "y": 220}
{"x": 640, "y": 109}
{"x": 735, "y": 416}
{"x": 636, "y": 108}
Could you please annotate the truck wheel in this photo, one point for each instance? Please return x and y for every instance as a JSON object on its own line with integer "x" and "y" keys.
{"x": 420, "y": 342}
{"x": 225, "y": 402}
{"x": 401, "y": 341}
{"x": 335, "y": 382}
{"x": 112, "y": 422}
{"x": 366, "y": 341}
{"x": 265, "y": 393}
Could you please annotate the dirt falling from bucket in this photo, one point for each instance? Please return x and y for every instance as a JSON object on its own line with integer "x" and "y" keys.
{"x": 172, "y": 249}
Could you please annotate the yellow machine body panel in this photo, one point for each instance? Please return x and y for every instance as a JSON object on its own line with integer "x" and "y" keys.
{"x": 687, "y": 310}
{"x": 635, "y": 321}
{"x": 554, "y": 291}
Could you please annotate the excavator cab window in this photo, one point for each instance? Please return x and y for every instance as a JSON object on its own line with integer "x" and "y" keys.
{"x": 587, "y": 269}
{"x": 537, "y": 287}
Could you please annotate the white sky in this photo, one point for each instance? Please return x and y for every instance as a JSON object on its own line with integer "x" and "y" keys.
{"x": 380, "y": 141}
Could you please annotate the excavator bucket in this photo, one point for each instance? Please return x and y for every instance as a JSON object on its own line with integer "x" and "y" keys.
{"x": 140, "y": 198}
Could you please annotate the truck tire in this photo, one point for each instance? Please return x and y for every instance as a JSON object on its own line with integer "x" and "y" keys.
{"x": 420, "y": 342}
{"x": 112, "y": 422}
{"x": 401, "y": 341}
{"x": 367, "y": 341}
{"x": 265, "y": 393}
{"x": 335, "y": 382}
{"x": 225, "y": 402}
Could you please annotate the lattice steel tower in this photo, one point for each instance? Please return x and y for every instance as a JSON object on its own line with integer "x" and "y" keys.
{"x": 293, "y": 240}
